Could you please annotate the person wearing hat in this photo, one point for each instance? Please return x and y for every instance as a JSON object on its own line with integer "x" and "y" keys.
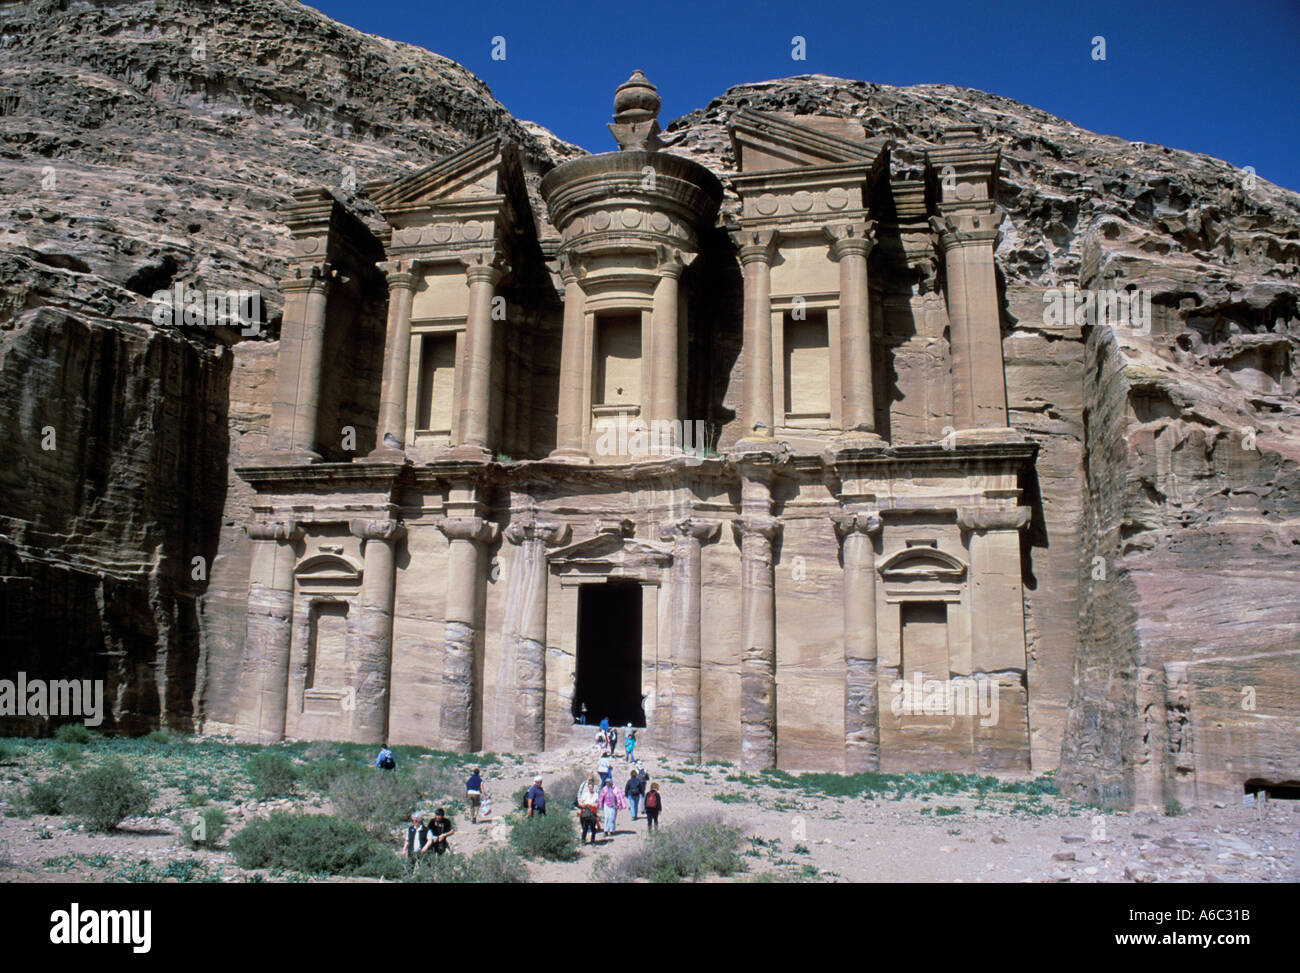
{"x": 536, "y": 797}
{"x": 474, "y": 792}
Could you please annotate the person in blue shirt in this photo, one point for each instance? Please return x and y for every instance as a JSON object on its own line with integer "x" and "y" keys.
{"x": 386, "y": 760}
{"x": 474, "y": 791}
{"x": 536, "y": 797}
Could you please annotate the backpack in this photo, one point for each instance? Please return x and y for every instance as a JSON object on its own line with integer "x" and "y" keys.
{"x": 652, "y": 800}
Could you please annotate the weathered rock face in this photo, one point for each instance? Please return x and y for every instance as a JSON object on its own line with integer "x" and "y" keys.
{"x": 1161, "y": 592}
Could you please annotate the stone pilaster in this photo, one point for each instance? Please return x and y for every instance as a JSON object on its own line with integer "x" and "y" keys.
{"x": 391, "y": 432}
{"x": 861, "y": 705}
{"x": 570, "y": 419}
{"x": 482, "y": 272}
{"x": 264, "y": 679}
{"x": 464, "y": 576}
{"x": 296, "y": 405}
{"x": 370, "y": 647}
{"x": 756, "y": 531}
{"x": 756, "y": 247}
{"x": 851, "y": 245}
{"x": 530, "y": 578}
{"x": 664, "y": 380}
{"x": 687, "y": 536}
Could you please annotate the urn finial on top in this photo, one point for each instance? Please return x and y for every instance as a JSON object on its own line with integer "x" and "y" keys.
{"x": 636, "y": 115}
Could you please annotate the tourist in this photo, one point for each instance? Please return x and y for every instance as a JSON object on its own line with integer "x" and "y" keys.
{"x": 613, "y": 742}
{"x": 632, "y": 791}
{"x": 386, "y": 760}
{"x": 604, "y": 729}
{"x": 588, "y": 799}
{"x": 609, "y": 798}
{"x": 536, "y": 798}
{"x": 440, "y": 830}
{"x": 474, "y": 791}
{"x": 643, "y": 777}
{"x": 654, "y": 803}
{"x": 418, "y": 840}
{"x": 486, "y": 811}
{"x": 629, "y": 744}
{"x": 604, "y": 768}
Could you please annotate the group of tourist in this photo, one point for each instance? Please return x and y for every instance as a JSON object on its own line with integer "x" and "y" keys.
{"x": 597, "y": 803}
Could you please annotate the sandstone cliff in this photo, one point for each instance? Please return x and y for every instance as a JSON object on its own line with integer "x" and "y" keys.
{"x": 146, "y": 144}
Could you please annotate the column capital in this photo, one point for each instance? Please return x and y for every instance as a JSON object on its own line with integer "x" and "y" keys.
{"x": 377, "y": 530}
{"x": 967, "y": 227}
{"x": 671, "y": 262}
{"x": 275, "y": 530}
{"x": 572, "y": 267}
{"x": 468, "y": 529}
{"x": 851, "y": 238}
{"x": 305, "y": 277}
{"x": 761, "y": 525}
{"x": 485, "y": 265}
{"x": 755, "y": 245}
{"x": 400, "y": 273}
{"x": 855, "y": 521}
{"x": 979, "y": 518}
{"x": 689, "y": 529}
{"x": 529, "y": 528}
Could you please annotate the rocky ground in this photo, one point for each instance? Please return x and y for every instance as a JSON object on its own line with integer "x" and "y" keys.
{"x": 794, "y": 832}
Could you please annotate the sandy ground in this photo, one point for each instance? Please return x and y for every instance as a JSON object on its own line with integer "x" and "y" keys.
{"x": 794, "y": 836}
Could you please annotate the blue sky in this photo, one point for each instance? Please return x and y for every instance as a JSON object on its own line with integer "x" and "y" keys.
{"x": 1213, "y": 77}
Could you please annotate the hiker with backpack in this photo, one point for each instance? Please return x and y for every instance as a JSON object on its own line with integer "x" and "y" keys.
{"x": 632, "y": 790}
{"x": 385, "y": 760}
{"x": 474, "y": 795}
{"x": 654, "y": 803}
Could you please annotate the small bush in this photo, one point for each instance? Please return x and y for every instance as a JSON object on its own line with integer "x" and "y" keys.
{"x": 7, "y": 751}
{"x": 46, "y": 796}
{"x": 203, "y": 830}
{"x": 560, "y": 791}
{"x": 73, "y": 733}
{"x": 273, "y": 775}
{"x": 1173, "y": 808}
{"x": 67, "y": 753}
{"x": 490, "y": 866}
{"x": 159, "y": 736}
{"x": 691, "y": 848}
{"x": 103, "y": 796}
{"x": 552, "y": 836}
{"x": 321, "y": 751}
{"x": 377, "y": 800}
{"x": 314, "y": 844}
{"x": 318, "y": 775}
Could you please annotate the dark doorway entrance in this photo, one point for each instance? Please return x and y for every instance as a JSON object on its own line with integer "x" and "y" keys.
{"x": 609, "y": 653}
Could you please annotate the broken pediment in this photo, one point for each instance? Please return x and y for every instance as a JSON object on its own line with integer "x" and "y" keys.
{"x": 765, "y": 142}
{"x": 610, "y": 554}
{"x": 479, "y": 177}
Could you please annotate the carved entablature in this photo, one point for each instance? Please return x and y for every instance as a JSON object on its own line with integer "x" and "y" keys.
{"x": 610, "y": 555}
{"x": 326, "y": 235}
{"x": 962, "y": 173}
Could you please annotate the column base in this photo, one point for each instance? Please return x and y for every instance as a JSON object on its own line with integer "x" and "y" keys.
{"x": 576, "y": 457}
{"x": 857, "y": 439}
{"x": 387, "y": 454}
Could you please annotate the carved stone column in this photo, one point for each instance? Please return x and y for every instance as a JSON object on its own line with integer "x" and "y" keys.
{"x": 371, "y": 639}
{"x": 264, "y": 679}
{"x": 686, "y": 535}
{"x": 464, "y": 574}
{"x": 756, "y": 531}
{"x": 530, "y": 576}
{"x": 570, "y": 420}
{"x": 851, "y": 245}
{"x": 298, "y": 366}
{"x": 476, "y": 396}
{"x": 391, "y": 432}
{"x": 861, "y": 704}
{"x": 756, "y": 260}
{"x": 664, "y": 337}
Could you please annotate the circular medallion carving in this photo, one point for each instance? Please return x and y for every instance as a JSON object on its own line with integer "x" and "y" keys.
{"x": 660, "y": 222}
{"x": 766, "y": 204}
{"x": 600, "y": 220}
{"x": 965, "y": 191}
{"x": 801, "y": 201}
{"x": 472, "y": 230}
{"x": 441, "y": 233}
{"x": 631, "y": 218}
{"x": 837, "y": 198}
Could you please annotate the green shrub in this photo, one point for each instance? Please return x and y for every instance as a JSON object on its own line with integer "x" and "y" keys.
{"x": 46, "y": 796}
{"x": 553, "y": 837}
{"x": 691, "y": 848}
{"x": 273, "y": 775}
{"x": 321, "y": 751}
{"x": 318, "y": 775}
{"x": 73, "y": 733}
{"x": 103, "y": 796}
{"x": 159, "y": 736}
{"x": 67, "y": 753}
{"x": 377, "y": 800}
{"x": 203, "y": 830}
{"x": 490, "y": 866}
{"x": 1173, "y": 808}
{"x": 7, "y": 751}
{"x": 314, "y": 844}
